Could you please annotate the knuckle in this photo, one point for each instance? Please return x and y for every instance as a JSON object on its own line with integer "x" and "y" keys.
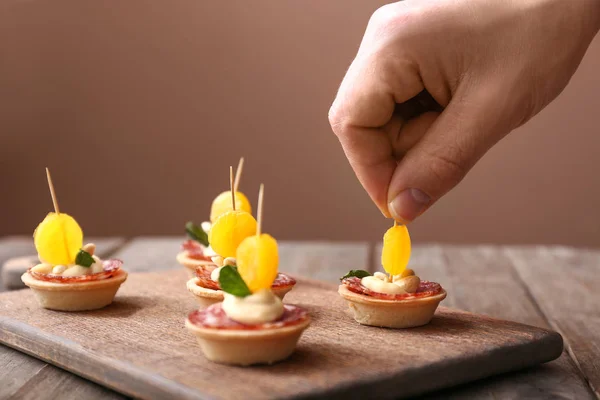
{"x": 381, "y": 15}
{"x": 386, "y": 14}
{"x": 336, "y": 120}
{"x": 389, "y": 16}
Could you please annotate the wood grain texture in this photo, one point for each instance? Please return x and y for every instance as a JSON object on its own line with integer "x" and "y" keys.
{"x": 482, "y": 279}
{"x": 139, "y": 341}
{"x": 17, "y": 254}
{"x": 16, "y": 370}
{"x": 13, "y": 246}
{"x": 565, "y": 283}
{"x": 147, "y": 254}
{"x": 52, "y": 383}
{"x": 25, "y": 377}
{"x": 325, "y": 261}
{"x": 152, "y": 253}
{"x": 319, "y": 260}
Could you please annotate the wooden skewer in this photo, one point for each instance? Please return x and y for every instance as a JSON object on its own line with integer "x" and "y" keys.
{"x": 238, "y": 174}
{"x": 56, "y": 209}
{"x": 260, "y": 209}
{"x": 52, "y": 192}
{"x": 231, "y": 186}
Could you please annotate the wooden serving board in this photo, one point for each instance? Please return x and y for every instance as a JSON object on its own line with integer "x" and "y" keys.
{"x": 140, "y": 347}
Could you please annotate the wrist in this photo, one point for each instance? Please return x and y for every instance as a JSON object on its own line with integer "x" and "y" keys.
{"x": 583, "y": 16}
{"x": 591, "y": 14}
{"x": 595, "y": 8}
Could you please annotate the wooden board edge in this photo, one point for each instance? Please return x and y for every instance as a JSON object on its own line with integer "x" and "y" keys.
{"x": 142, "y": 384}
{"x": 521, "y": 355}
{"x": 511, "y": 359}
{"x": 148, "y": 385}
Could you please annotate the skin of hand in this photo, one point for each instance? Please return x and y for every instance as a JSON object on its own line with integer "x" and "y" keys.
{"x": 489, "y": 65}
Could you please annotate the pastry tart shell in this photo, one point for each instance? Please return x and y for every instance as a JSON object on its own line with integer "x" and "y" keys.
{"x": 190, "y": 263}
{"x": 206, "y": 297}
{"x": 248, "y": 347}
{"x": 75, "y": 296}
{"x": 407, "y": 313}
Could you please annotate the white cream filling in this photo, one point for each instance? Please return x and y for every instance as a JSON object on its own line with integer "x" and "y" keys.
{"x": 258, "y": 308}
{"x": 381, "y": 286}
{"x": 214, "y": 275}
{"x": 380, "y": 275}
{"x": 70, "y": 270}
{"x": 403, "y": 283}
{"x": 220, "y": 263}
{"x": 209, "y": 252}
{"x": 206, "y": 225}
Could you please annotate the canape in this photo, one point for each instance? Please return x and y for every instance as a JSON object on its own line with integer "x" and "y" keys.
{"x": 227, "y": 341}
{"x": 70, "y": 277}
{"x": 196, "y": 251}
{"x": 206, "y": 289}
{"x": 226, "y": 232}
{"x": 251, "y": 325}
{"x": 397, "y": 300}
{"x": 89, "y": 290}
{"x": 415, "y": 307}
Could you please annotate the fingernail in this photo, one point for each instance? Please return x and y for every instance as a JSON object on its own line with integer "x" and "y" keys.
{"x": 409, "y": 204}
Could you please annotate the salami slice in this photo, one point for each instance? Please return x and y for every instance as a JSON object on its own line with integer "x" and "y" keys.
{"x": 111, "y": 268}
{"x": 194, "y": 250}
{"x": 204, "y": 280}
{"x": 283, "y": 280}
{"x": 425, "y": 289}
{"x": 215, "y": 318}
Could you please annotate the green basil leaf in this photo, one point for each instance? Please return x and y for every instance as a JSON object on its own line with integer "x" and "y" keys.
{"x": 84, "y": 259}
{"x": 359, "y": 273}
{"x": 196, "y": 233}
{"x": 232, "y": 283}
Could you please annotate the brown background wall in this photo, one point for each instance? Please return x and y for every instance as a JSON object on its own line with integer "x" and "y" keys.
{"x": 140, "y": 107}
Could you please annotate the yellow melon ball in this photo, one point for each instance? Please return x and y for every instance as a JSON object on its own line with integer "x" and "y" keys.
{"x": 396, "y": 249}
{"x": 229, "y": 230}
{"x": 58, "y": 239}
{"x": 223, "y": 203}
{"x": 257, "y": 261}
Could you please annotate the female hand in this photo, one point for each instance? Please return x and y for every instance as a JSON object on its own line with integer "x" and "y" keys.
{"x": 489, "y": 65}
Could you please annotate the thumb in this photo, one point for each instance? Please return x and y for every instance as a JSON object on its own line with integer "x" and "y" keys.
{"x": 452, "y": 143}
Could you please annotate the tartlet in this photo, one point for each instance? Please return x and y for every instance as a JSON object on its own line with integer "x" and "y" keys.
{"x": 398, "y": 299}
{"x": 208, "y": 292}
{"x": 392, "y": 311}
{"x": 70, "y": 277}
{"x": 225, "y": 341}
{"x": 251, "y": 325}
{"x": 194, "y": 255}
{"x": 77, "y": 293}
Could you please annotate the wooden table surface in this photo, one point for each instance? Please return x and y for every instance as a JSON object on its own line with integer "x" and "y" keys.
{"x": 544, "y": 286}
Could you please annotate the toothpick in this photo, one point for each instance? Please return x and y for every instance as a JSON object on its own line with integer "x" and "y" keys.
{"x": 52, "y": 192}
{"x": 231, "y": 187}
{"x": 260, "y": 209}
{"x": 238, "y": 174}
